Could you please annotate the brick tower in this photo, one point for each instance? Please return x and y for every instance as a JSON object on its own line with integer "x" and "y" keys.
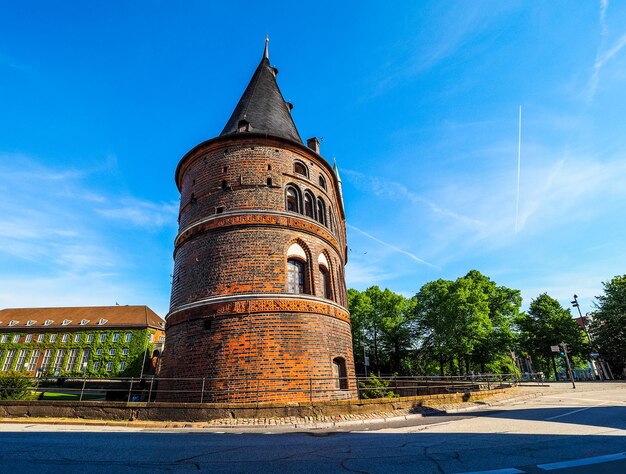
{"x": 258, "y": 306}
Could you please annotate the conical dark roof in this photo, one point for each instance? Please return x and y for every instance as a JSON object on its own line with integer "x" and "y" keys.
{"x": 263, "y": 107}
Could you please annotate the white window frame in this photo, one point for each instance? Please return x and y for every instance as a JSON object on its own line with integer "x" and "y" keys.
{"x": 34, "y": 358}
{"x": 21, "y": 359}
{"x": 58, "y": 360}
{"x": 8, "y": 362}
{"x": 84, "y": 360}
{"x": 45, "y": 363}
{"x": 71, "y": 360}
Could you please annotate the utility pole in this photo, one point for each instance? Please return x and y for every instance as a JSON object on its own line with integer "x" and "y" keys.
{"x": 569, "y": 367}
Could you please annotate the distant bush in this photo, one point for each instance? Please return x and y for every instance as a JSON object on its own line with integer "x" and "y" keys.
{"x": 373, "y": 387}
{"x": 15, "y": 386}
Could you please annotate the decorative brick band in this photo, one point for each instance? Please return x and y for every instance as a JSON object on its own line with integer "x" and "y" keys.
{"x": 252, "y": 306}
{"x": 272, "y": 219}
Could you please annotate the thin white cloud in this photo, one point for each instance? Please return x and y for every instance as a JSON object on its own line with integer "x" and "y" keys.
{"x": 603, "y": 55}
{"x": 142, "y": 213}
{"x": 56, "y": 248}
{"x": 393, "y": 190}
{"x": 361, "y": 274}
{"x": 391, "y": 246}
{"x": 604, "y": 5}
{"x": 607, "y": 55}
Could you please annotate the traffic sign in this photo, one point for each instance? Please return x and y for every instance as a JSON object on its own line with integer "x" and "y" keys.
{"x": 555, "y": 348}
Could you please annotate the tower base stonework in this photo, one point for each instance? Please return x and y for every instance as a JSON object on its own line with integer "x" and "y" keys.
{"x": 262, "y": 349}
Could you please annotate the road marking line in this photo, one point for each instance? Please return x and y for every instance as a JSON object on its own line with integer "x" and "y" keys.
{"x": 582, "y": 462}
{"x": 575, "y": 411}
{"x": 508, "y": 470}
{"x": 583, "y": 399}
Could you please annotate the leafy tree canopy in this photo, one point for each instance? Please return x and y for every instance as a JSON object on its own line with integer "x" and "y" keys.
{"x": 608, "y": 326}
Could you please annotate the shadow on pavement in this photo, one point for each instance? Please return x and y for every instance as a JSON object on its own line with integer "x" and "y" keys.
{"x": 422, "y": 452}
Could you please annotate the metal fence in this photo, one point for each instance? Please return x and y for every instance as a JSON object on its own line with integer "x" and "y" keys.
{"x": 254, "y": 389}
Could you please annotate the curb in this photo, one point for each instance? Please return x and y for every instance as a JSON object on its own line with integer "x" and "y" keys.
{"x": 313, "y": 425}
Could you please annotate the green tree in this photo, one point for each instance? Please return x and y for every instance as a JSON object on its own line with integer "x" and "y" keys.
{"x": 361, "y": 315}
{"x": 466, "y": 323}
{"x": 381, "y": 324}
{"x": 16, "y": 385}
{"x": 491, "y": 349}
{"x": 608, "y": 326}
{"x": 545, "y": 324}
{"x": 436, "y": 322}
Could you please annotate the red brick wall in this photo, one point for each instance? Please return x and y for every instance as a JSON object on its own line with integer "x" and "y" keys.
{"x": 256, "y": 331}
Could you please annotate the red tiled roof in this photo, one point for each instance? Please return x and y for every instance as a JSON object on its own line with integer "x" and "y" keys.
{"x": 80, "y": 317}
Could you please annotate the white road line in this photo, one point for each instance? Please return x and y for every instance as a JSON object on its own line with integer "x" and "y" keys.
{"x": 582, "y": 462}
{"x": 508, "y": 470}
{"x": 584, "y": 399}
{"x": 575, "y": 411}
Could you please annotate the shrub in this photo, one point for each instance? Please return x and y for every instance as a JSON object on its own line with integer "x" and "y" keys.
{"x": 15, "y": 386}
{"x": 376, "y": 388}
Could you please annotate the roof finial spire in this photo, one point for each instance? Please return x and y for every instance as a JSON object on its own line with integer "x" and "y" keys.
{"x": 266, "y": 53}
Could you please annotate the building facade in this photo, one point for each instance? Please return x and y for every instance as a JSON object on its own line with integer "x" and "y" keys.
{"x": 258, "y": 307}
{"x": 98, "y": 341}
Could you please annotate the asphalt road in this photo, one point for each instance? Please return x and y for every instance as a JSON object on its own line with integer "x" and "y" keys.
{"x": 564, "y": 426}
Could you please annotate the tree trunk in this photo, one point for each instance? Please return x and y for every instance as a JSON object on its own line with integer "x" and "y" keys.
{"x": 556, "y": 375}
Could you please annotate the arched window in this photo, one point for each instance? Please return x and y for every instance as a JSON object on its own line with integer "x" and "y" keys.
{"x": 293, "y": 199}
{"x": 296, "y": 276}
{"x": 325, "y": 279}
{"x": 321, "y": 211}
{"x": 339, "y": 373}
{"x": 300, "y": 168}
{"x": 297, "y": 279}
{"x": 331, "y": 219}
{"x": 309, "y": 205}
{"x": 322, "y": 182}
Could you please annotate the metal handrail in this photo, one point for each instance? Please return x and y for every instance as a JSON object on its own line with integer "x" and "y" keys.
{"x": 151, "y": 389}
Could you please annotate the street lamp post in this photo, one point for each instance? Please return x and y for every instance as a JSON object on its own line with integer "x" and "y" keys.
{"x": 600, "y": 362}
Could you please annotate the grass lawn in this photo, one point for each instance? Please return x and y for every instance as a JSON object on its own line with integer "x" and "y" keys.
{"x": 71, "y": 396}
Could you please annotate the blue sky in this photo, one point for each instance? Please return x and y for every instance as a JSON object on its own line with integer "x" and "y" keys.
{"x": 418, "y": 102}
